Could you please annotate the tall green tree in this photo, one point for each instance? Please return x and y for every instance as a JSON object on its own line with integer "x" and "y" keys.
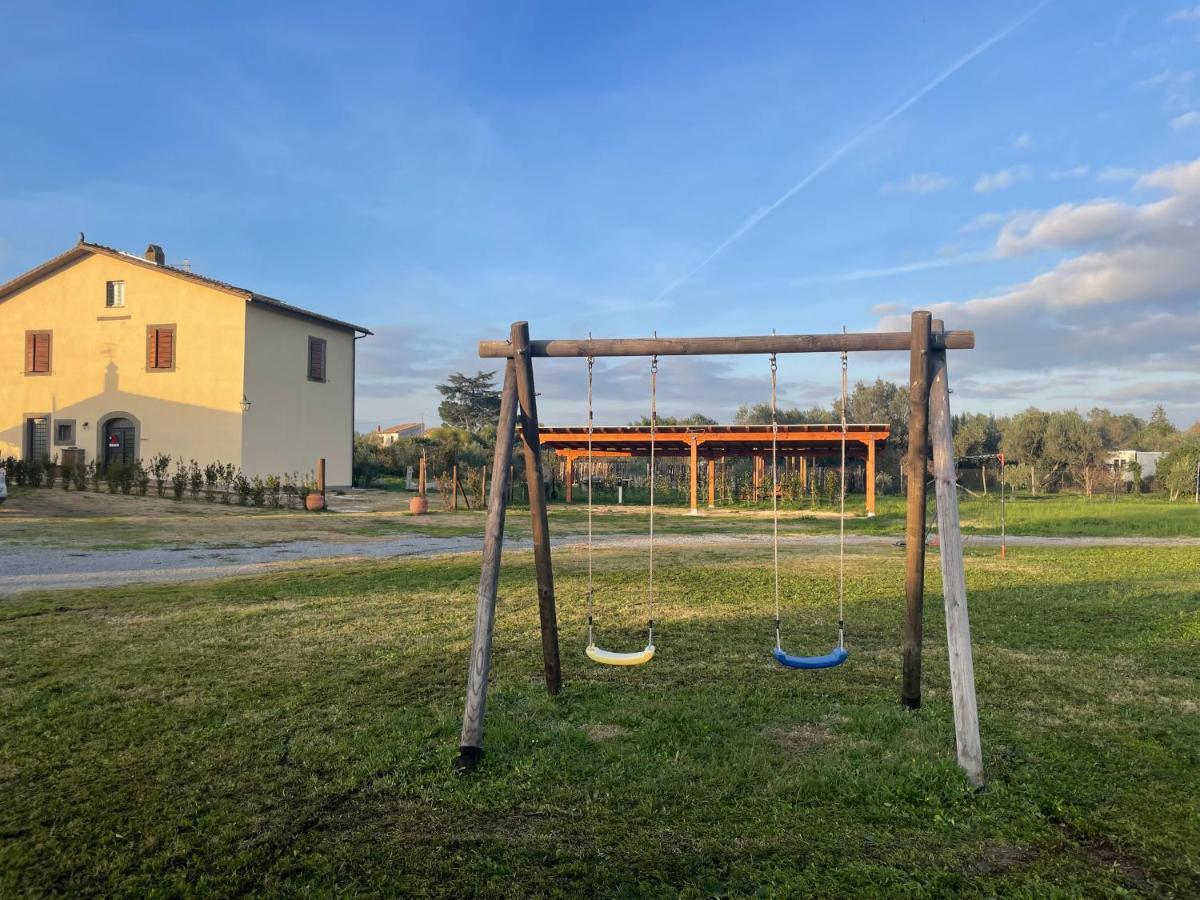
{"x": 1117, "y": 431}
{"x": 1024, "y": 442}
{"x": 472, "y": 401}
{"x": 1160, "y": 433}
{"x": 1073, "y": 444}
{"x": 1177, "y": 470}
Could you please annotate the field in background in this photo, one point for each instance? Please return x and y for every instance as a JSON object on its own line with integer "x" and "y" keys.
{"x": 286, "y": 733}
{"x": 83, "y": 521}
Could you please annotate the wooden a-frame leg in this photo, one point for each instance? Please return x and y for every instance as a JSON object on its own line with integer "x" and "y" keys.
{"x": 954, "y": 584}
{"x": 471, "y": 740}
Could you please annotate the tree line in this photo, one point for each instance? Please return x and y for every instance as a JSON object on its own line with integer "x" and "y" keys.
{"x": 1045, "y": 451}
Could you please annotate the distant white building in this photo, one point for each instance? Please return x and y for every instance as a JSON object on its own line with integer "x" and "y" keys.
{"x": 385, "y": 437}
{"x": 1124, "y": 460}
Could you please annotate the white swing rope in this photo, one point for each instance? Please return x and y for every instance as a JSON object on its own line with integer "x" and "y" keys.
{"x": 591, "y": 361}
{"x": 775, "y": 492}
{"x": 653, "y": 428}
{"x": 842, "y": 519}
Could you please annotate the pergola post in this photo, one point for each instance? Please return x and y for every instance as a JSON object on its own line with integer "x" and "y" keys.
{"x": 569, "y": 475}
{"x": 870, "y": 478}
{"x": 712, "y": 483}
{"x": 693, "y": 474}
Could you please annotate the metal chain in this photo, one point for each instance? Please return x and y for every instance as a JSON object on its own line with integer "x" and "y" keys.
{"x": 842, "y": 516}
{"x": 591, "y": 362}
{"x": 653, "y": 428}
{"x": 775, "y": 489}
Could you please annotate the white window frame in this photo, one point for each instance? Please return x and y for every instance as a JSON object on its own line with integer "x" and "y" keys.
{"x": 114, "y": 295}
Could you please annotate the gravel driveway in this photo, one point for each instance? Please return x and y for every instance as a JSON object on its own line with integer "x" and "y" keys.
{"x": 38, "y": 569}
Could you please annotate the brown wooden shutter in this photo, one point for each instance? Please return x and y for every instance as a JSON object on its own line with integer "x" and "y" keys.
{"x": 316, "y": 359}
{"x": 151, "y": 348}
{"x": 29, "y": 352}
{"x": 165, "y": 354}
{"x": 40, "y": 356}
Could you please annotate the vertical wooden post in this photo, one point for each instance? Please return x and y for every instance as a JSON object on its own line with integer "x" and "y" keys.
{"x": 712, "y": 483}
{"x": 954, "y": 581}
{"x": 527, "y": 402}
{"x": 321, "y": 476}
{"x": 569, "y": 475}
{"x": 471, "y": 740}
{"x": 454, "y": 485}
{"x": 694, "y": 474}
{"x": 483, "y": 487}
{"x": 870, "y": 478}
{"x": 421, "y": 475}
{"x": 914, "y": 532}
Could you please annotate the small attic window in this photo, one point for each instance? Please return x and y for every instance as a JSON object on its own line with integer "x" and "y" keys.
{"x": 114, "y": 294}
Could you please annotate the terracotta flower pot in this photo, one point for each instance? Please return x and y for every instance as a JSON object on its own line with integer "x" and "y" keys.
{"x": 418, "y": 506}
{"x": 314, "y": 502}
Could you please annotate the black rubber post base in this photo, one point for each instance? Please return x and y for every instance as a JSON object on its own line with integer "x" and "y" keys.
{"x": 468, "y": 760}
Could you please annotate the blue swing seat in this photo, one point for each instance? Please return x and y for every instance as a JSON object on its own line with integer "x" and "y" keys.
{"x": 834, "y": 657}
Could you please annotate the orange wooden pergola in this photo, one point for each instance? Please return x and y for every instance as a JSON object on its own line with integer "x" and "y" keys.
{"x": 715, "y": 442}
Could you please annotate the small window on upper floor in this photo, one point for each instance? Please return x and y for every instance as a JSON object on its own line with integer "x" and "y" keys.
{"x": 64, "y": 432}
{"x": 316, "y": 359}
{"x": 114, "y": 294}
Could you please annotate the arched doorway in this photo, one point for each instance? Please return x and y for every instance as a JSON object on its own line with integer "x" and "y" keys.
{"x": 119, "y": 441}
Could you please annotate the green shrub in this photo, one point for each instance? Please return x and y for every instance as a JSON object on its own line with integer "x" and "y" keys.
{"x": 51, "y": 471}
{"x": 179, "y": 479}
{"x": 67, "y": 471}
{"x": 35, "y": 472}
{"x": 94, "y": 475}
{"x": 80, "y": 476}
{"x": 141, "y": 478}
{"x": 258, "y": 491}
{"x": 274, "y": 486}
{"x": 242, "y": 487}
{"x": 212, "y": 478}
{"x": 195, "y": 479}
{"x": 159, "y": 464}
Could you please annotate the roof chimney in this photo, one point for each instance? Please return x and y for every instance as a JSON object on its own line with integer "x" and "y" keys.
{"x": 155, "y": 254}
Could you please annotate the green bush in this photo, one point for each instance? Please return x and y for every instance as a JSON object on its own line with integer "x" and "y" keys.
{"x": 159, "y": 464}
{"x": 35, "y": 472}
{"x": 51, "y": 471}
{"x": 179, "y": 479}
{"x": 79, "y": 475}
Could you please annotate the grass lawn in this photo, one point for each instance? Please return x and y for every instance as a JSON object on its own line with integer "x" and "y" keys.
{"x": 284, "y": 734}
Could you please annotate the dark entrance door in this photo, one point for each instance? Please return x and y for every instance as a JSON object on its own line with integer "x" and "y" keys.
{"x": 118, "y": 442}
{"x": 37, "y": 437}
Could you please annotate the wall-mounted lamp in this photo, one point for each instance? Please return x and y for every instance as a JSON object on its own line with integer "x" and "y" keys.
{"x": 87, "y": 425}
{"x": 245, "y": 404}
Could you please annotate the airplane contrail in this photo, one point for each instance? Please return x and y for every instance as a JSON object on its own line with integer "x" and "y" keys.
{"x": 850, "y": 145}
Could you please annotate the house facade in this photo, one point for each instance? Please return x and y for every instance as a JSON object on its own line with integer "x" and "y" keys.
{"x": 124, "y": 357}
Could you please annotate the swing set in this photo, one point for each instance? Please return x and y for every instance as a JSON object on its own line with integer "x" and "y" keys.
{"x": 929, "y": 418}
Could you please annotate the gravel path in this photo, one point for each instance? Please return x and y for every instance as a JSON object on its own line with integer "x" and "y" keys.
{"x": 37, "y": 569}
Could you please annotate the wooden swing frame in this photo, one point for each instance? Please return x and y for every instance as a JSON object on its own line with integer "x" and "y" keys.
{"x": 928, "y": 422}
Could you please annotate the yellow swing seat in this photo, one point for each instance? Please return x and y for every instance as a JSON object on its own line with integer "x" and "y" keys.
{"x": 609, "y": 658}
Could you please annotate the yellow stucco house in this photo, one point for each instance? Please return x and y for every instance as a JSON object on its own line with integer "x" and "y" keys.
{"x": 125, "y": 357}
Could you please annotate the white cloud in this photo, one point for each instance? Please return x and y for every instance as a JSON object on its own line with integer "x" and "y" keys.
{"x": 1117, "y": 173}
{"x": 995, "y": 181}
{"x": 1023, "y": 141}
{"x": 1069, "y": 225}
{"x": 1186, "y": 120}
{"x": 1080, "y": 171}
{"x": 1185, "y": 15}
{"x": 1123, "y": 303}
{"x": 921, "y": 183}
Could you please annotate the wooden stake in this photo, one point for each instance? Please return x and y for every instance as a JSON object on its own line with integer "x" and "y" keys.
{"x": 527, "y": 402}
{"x": 483, "y": 487}
{"x": 471, "y": 740}
{"x": 454, "y": 485}
{"x": 914, "y": 532}
{"x": 954, "y": 583}
{"x": 321, "y": 476}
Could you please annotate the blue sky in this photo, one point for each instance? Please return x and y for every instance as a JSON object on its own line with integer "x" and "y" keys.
{"x": 435, "y": 172}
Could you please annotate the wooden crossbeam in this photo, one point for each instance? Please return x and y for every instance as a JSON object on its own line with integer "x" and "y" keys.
{"x": 858, "y": 342}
